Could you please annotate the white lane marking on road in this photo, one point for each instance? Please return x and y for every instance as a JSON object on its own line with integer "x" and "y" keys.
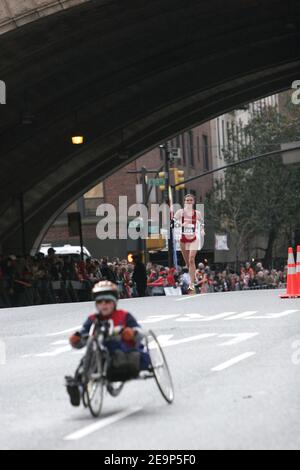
{"x": 158, "y": 318}
{"x": 102, "y": 424}
{"x": 190, "y": 297}
{"x": 270, "y": 316}
{"x": 233, "y": 361}
{"x": 166, "y": 342}
{"x": 163, "y": 339}
{"x": 242, "y": 315}
{"x": 218, "y": 317}
{"x": 188, "y": 317}
{"x": 284, "y": 314}
{"x": 56, "y": 352}
{"x": 60, "y": 343}
{"x": 237, "y": 338}
{"x": 60, "y": 333}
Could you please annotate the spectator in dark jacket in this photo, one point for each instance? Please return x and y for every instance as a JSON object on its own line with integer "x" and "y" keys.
{"x": 106, "y": 271}
{"x": 140, "y": 276}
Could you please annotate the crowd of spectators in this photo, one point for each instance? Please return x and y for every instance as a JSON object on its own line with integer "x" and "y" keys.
{"x": 52, "y": 278}
{"x": 249, "y": 277}
{"x": 210, "y": 280}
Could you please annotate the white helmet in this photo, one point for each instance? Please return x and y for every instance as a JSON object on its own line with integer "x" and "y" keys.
{"x": 106, "y": 290}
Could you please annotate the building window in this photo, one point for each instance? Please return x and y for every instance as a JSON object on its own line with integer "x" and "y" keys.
{"x": 161, "y": 153}
{"x": 205, "y": 152}
{"x": 198, "y": 149}
{"x": 91, "y": 200}
{"x": 191, "y": 148}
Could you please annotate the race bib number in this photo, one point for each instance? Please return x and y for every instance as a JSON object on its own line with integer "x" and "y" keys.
{"x": 189, "y": 230}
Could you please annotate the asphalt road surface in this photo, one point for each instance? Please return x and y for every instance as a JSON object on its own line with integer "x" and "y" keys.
{"x": 235, "y": 360}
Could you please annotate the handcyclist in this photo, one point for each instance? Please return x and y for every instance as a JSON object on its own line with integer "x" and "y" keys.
{"x": 189, "y": 219}
{"x": 126, "y": 334}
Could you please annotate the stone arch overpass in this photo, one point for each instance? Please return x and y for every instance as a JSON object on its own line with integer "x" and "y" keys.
{"x": 17, "y": 13}
{"x": 128, "y": 74}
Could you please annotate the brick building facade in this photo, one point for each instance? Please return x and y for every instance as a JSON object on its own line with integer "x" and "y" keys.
{"x": 196, "y": 158}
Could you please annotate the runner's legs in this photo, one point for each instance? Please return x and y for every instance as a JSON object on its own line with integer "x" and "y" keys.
{"x": 192, "y": 265}
{"x": 189, "y": 252}
{"x": 185, "y": 253}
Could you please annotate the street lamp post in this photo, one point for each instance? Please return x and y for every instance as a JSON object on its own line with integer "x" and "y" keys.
{"x": 168, "y": 188}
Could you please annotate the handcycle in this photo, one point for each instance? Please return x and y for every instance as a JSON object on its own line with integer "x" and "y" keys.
{"x": 95, "y": 376}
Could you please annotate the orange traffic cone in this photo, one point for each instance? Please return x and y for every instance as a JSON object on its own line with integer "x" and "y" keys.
{"x": 298, "y": 270}
{"x": 292, "y": 291}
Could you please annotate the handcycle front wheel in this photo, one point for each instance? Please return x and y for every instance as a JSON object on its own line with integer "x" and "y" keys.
{"x": 94, "y": 382}
{"x": 160, "y": 368}
{"x": 115, "y": 388}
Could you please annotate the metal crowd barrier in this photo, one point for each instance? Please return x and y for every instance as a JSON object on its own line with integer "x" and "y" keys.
{"x": 44, "y": 292}
{"x": 160, "y": 291}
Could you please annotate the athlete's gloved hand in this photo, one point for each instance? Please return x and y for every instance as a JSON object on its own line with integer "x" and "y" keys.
{"x": 76, "y": 341}
{"x": 128, "y": 334}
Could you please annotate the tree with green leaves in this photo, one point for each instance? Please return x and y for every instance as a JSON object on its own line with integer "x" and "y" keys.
{"x": 261, "y": 198}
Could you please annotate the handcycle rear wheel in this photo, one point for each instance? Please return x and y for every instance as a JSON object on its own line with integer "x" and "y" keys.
{"x": 160, "y": 368}
{"x": 94, "y": 382}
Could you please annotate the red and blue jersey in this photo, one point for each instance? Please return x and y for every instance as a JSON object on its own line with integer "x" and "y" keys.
{"x": 120, "y": 318}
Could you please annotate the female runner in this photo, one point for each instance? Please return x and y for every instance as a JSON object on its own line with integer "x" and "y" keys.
{"x": 189, "y": 219}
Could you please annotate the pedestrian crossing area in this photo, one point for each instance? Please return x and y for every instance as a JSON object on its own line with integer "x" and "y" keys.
{"x": 222, "y": 316}
{"x": 60, "y": 348}
{"x": 59, "y": 344}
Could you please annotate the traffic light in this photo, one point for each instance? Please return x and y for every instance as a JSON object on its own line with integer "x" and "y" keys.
{"x": 162, "y": 184}
{"x": 179, "y": 178}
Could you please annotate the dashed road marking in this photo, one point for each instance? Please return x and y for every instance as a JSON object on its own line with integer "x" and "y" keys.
{"x": 284, "y": 314}
{"x": 64, "y": 332}
{"x": 56, "y": 352}
{"x": 60, "y": 343}
{"x": 239, "y": 316}
{"x": 233, "y": 361}
{"x": 226, "y": 316}
{"x": 237, "y": 338}
{"x": 190, "y": 317}
{"x": 92, "y": 428}
{"x": 271, "y": 316}
{"x": 190, "y": 297}
{"x": 158, "y": 318}
{"x": 220, "y": 316}
{"x": 166, "y": 341}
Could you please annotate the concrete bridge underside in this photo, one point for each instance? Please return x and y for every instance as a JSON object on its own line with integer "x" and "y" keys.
{"x": 128, "y": 74}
